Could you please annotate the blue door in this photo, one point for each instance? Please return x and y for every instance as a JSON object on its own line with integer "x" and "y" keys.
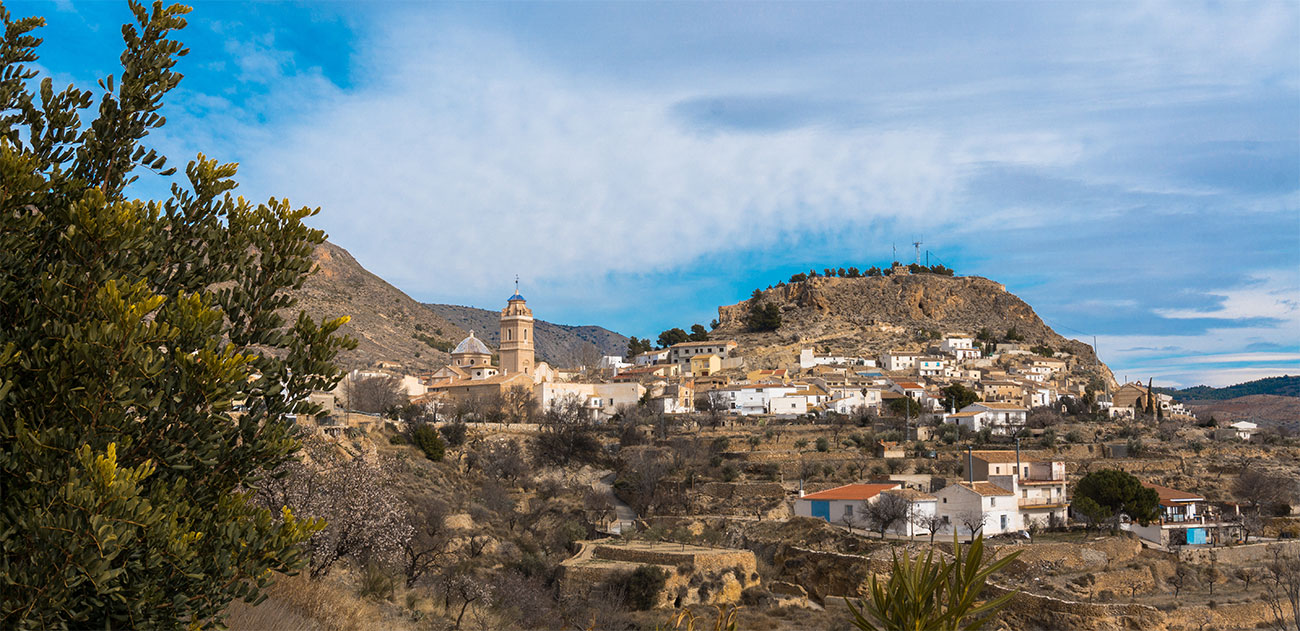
{"x": 821, "y": 508}
{"x": 1195, "y": 536}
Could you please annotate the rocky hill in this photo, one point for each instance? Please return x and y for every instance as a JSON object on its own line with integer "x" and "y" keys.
{"x": 557, "y": 344}
{"x": 1265, "y": 409}
{"x": 871, "y": 314}
{"x": 387, "y": 324}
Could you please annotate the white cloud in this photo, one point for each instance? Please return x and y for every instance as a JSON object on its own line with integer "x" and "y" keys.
{"x": 469, "y": 159}
{"x": 1273, "y": 294}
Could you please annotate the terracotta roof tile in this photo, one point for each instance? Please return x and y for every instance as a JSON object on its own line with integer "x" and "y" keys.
{"x": 851, "y": 492}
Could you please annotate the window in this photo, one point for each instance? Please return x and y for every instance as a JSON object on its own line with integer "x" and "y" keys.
{"x": 945, "y": 501}
{"x": 1004, "y": 522}
{"x": 993, "y": 501}
{"x": 848, "y": 510}
{"x": 507, "y": 334}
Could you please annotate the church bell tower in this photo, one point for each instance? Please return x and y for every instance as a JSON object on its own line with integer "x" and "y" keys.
{"x": 516, "y": 335}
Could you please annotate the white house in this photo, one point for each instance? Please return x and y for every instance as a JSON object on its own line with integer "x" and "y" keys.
{"x": 919, "y": 506}
{"x": 612, "y": 364}
{"x": 842, "y": 504}
{"x": 809, "y": 359}
{"x": 1241, "y": 430}
{"x": 600, "y": 399}
{"x": 788, "y": 405}
{"x": 1183, "y": 520}
{"x": 1038, "y": 486}
{"x": 1003, "y": 418}
{"x": 682, "y": 353}
{"x": 988, "y": 507}
{"x": 898, "y": 360}
{"x": 651, "y": 357}
{"x": 931, "y": 366}
{"x": 753, "y": 398}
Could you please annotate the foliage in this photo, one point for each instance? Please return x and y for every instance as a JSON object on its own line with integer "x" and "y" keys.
{"x": 1109, "y": 492}
{"x": 958, "y": 396}
{"x": 643, "y": 587}
{"x": 1286, "y": 386}
{"x": 905, "y": 406}
{"x": 763, "y": 317}
{"x": 637, "y": 346}
{"x": 933, "y": 594}
{"x": 454, "y": 434}
{"x": 365, "y": 520}
{"x": 566, "y": 434}
{"x": 130, "y": 328}
{"x": 698, "y": 333}
{"x": 673, "y": 336}
{"x": 823, "y": 444}
{"x": 1013, "y": 335}
{"x": 426, "y": 438}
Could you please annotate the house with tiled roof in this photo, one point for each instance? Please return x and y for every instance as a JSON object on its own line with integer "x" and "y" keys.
{"x": 1002, "y": 418}
{"x": 842, "y": 504}
{"x": 1184, "y": 519}
{"x": 1039, "y": 486}
{"x": 683, "y": 352}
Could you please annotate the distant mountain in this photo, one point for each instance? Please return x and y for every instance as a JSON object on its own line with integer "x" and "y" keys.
{"x": 387, "y": 324}
{"x": 557, "y": 344}
{"x": 1267, "y": 410}
{"x": 1286, "y": 386}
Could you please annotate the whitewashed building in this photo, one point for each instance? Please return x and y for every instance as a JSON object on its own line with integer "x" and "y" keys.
{"x": 990, "y": 508}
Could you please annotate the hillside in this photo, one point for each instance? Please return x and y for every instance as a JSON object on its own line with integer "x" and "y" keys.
{"x": 387, "y": 324}
{"x": 1285, "y": 386}
{"x": 557, "y": 344}
{"x": 1265, "y": 409}
{"x": 871, "y": 314}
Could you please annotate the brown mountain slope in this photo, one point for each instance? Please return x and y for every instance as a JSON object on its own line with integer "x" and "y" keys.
{"x": 1265, "y": 409}
{"x": 870, "y": 315}
{"x": 559, "y": 344}
{"x": 387, "y": 324}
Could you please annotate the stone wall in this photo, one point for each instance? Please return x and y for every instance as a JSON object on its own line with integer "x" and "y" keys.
{"x": 1255, "y": 553}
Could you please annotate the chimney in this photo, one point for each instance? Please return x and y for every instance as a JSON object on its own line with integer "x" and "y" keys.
{"x": 970, "y": 466}
{"x": 801, "y": 487}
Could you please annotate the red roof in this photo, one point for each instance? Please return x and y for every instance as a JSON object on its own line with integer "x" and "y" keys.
{"x": 851, "y": 492}
{"x": 1168, "y": 495}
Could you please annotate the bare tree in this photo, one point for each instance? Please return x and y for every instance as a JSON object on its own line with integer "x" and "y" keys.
{"x": 428, "y": 543}
{"x": 1248, "y": 522}
{"x": 566, "y": 434}
{"x": 1183, "y": 574}
{"x": 642, "y": 470}
{"x": 886, "y": 512}
{"x": 931, "y": 522}
{"x": 973, "y": 520}
{"x": 373, "y": 394}
{"x": 1260, "y": 489}
{"x": 1282, "y": 590}
{"x": 518, "y": 403}
{"x": 502, "y": 460}
{"x": 713, "y": 404}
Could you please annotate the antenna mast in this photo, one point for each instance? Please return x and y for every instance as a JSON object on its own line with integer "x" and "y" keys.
{"x": 917, "y": 245}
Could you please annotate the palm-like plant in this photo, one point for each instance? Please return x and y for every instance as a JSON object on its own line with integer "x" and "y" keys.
{"x": 929, "y": 594}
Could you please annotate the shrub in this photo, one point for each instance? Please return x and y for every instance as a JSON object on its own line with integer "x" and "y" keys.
{"x": 823, "y": 444}
{"x": 643, "y": 587}
{"x": 454, "y": 433}
{"x": 428, "y": 441}
{"x": 729, "y": 473}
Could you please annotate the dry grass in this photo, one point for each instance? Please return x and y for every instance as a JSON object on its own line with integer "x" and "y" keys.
{"x": 296, "y": 603}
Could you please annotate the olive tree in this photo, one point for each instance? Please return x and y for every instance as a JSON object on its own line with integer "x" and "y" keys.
{"x": 130, "y": 327}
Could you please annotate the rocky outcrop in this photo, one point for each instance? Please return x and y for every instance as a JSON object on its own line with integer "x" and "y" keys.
{"x": 870, "y": 315}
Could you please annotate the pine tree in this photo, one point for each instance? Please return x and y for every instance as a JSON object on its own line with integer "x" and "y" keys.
{"x": 130, "y": 328}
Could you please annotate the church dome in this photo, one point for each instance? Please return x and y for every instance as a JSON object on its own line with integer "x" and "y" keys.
{"x": 472, "y": 346}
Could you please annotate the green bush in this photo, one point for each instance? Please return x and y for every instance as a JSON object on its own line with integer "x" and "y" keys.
{"x": 729, "y": 473}
{"x": 428, "y": 441}
{"x": 454, "y": 433}
{"x": 823, "y": 444}
{"x": 643, "y": 587}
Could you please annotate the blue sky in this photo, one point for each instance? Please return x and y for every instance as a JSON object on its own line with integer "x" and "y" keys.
{"x": 1132, "y": 170}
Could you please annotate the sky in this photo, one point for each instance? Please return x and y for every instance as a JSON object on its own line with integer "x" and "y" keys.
{"x": 1131, "y": 170}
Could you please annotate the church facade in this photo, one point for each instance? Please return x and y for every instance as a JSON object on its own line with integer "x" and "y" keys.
{"x": 471, "y": 373}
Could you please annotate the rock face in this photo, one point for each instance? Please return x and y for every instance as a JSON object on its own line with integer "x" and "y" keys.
{"x": 870, "y": 315}
{"x": 695, "y": 575}
{"x": 387, "y": 324}
{"x": 558, "y": 344}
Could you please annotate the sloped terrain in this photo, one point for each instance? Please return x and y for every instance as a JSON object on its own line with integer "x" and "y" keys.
{"x": 387, "y": 324}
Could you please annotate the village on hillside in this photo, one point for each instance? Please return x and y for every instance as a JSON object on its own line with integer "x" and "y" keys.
{"x": 968, "y": 434}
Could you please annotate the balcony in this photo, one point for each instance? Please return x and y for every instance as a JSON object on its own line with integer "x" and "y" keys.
{"x": 1043, "y": 502}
